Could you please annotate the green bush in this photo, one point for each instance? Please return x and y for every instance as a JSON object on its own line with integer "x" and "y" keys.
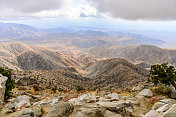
{"x": 54, "y": 89}
{"x": 79, "y": 88}
{"x": 163, "y": 74}
{"x": 10, "y": 84}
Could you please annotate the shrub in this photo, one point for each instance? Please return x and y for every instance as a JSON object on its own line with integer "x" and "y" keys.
{"x": 161, "y": 89}
{"x": 60, "y": 90}
{"x": 163, "y": 74}
{"x": 79, "y": 88}
{"x": 10, "y": 84}
{"x": 54, "y": 89}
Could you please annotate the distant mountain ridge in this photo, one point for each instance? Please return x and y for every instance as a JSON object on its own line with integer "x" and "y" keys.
{"x": 55, "y": 37}
{"x": 139, "y": 53}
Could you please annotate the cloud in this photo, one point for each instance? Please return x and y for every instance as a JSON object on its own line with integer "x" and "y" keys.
{"x": 138, "y": 9}
{"x": 46, "y": 9}
{"x": 29, "y": 8}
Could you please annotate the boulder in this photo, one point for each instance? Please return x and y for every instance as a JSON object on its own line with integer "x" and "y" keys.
{"x": 3, "y": 80}
{"x": 121, "y": 107}
{"x": 163, "y": 108}
{"x": 171, "y": 112}
{"x": 157, "y": 105}
{"x": 27, "y": 113}
{"x": 37, "y": 111}
{"x": 117, "y": 115}
{"x": 138, "y": 88}
{"x": 173, "y": 92}
{"x": 89, "y": 112}
{"x": 112, "y": 97}
{"x": 88, "y": 98}
{"x": 145, "y": 93}
{"x": 54, "y": 101}
{"x": 20, "y": 105}
{"x": 61, "y": 109}
{"x": 43, "y": 103}
{"x": 133, "y": 101}
{"x": 152, "y": 113}
{"x": 23, "y": 97}
{"x": 102, "y": 93}
{"x": 111, "y": 114}
{"x": 168, "y": 101}
{"x": 75, "y": 101}
{"x": 102, "y": 99}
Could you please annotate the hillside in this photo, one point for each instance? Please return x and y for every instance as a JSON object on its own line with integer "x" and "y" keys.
{"x": 23, "y": 57}
{"x": 105, "y": 74}
{"x": 115, "y": 73}
{"x": 139, "y": 53}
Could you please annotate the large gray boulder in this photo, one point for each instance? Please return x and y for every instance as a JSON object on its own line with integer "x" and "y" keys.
{"x": 145, "y": 93}
{"x": 121, "y": 107}
{"x": 27, "y": 113}
{"x": 61, "y": 109}
{"x": 3, "y": 80}
{"x": 25, "y": 98}
{"x": 152, "y": 113}
{"x": 171, "y": 112}
{"x": 157, "y": 105}
{"x": 168, "y": 101}
{"x": 37, "y": 111}
{"x": 89, "y": 112}
{"x": 88, "y": 98}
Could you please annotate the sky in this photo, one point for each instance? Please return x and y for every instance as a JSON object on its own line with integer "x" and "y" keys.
{"x": 158, "y": 15}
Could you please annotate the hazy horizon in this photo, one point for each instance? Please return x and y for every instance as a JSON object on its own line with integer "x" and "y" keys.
{"x": 155, "y": 19}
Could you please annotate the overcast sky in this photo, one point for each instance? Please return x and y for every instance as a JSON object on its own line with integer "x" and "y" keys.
{"x": 159, "y": 13}
{"x": 125, "y": 9}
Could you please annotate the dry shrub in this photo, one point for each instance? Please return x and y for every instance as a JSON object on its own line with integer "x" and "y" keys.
{"x": 161, "y": 90}
{"x": 31, "y": 91}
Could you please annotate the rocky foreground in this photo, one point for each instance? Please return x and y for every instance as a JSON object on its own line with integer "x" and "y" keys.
{"x": 139, "y": 101}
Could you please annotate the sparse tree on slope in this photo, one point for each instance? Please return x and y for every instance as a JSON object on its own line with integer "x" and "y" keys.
{"x": 163, "y": 74}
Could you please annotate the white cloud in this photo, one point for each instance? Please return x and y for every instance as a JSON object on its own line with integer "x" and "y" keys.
{"x": 138, "y": 9}
{"x": 47, "y": 9}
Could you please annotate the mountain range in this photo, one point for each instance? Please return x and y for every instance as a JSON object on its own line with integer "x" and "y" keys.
{"x": 90, "y": 58}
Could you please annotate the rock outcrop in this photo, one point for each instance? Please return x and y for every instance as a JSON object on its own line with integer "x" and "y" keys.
{"x": 61, "y": 109}
{"x": 3, "y": 80}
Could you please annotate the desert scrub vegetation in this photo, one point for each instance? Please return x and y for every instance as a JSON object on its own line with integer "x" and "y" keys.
{"x": 10, "y": 84}
{"x": 79, "y": 88}
{"x": 161, "y": 89}
{"x": 163, "y": 74}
